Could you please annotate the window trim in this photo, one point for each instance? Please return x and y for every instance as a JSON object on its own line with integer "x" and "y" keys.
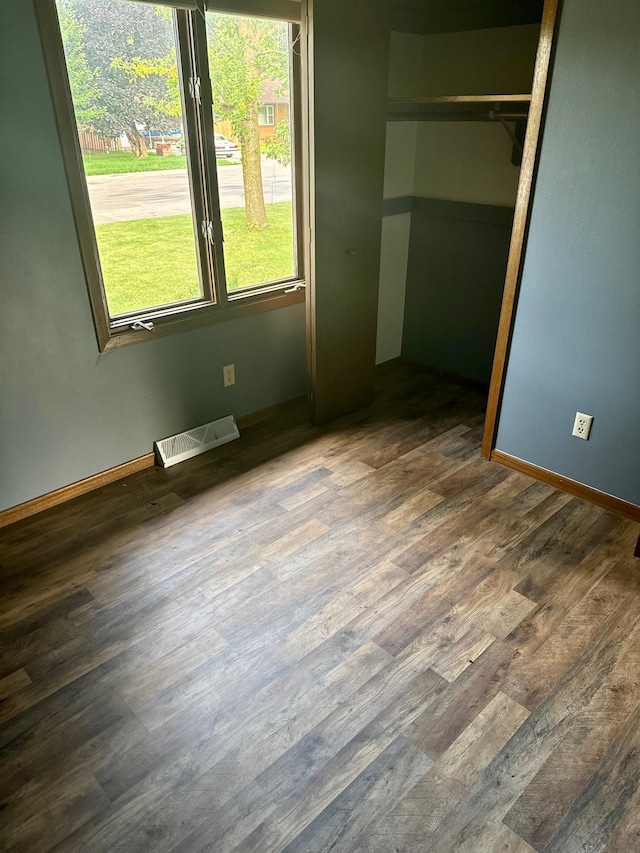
{"x": 271, "y": 115}
{"x": 285, "y": 10}
{"x": 216, "y": 304}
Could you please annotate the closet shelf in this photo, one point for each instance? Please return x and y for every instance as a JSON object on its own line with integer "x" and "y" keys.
{"x": 460, "y": 108}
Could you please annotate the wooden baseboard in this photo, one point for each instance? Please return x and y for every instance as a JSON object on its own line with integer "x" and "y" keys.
{"x": 270, "y": 412}
{"x": 602, "y": 499}
{"x": 74, "y": 490}
{"x": 449, "y": 375}
{"x": 388, "y": 366}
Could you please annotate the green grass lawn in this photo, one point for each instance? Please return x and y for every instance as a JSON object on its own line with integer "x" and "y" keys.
{"x": 121, "y": 162}
{"x": 150, "y": 262}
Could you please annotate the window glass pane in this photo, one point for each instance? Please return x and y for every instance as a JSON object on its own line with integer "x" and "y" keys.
{"x": 123, "y": 71}
{"x": 249, "y": 61}
{"x": 266, "y": 114}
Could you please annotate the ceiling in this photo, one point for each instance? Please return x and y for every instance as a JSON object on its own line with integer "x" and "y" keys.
{"x": 442, "y": 16}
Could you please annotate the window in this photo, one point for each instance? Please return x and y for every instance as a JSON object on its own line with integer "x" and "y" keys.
{"x": 266, "y": 115}
{"x": 247, "y": 55}
{"x": 185, "y": 211}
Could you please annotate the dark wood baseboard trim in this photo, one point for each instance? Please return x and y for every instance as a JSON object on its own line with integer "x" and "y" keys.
{"x": 450, "y": 375}
{"x": 74, "y": 490}
{"x": 602, "y": 499}
{"x": 89, "y": 484}
{"x": 270, "y": 412}
{"x": 387, "y": 366}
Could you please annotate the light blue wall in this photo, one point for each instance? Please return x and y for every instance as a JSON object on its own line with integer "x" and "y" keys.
{"x": 66, "y": 411}
{"x": 576, "y": 343}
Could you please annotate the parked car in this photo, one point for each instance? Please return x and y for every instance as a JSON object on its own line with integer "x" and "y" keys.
{"x": 154, "y": 136}
{"x": 225, "y": 148}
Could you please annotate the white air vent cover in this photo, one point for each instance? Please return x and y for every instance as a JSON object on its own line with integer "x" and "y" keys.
{"x": 187, "y": 444}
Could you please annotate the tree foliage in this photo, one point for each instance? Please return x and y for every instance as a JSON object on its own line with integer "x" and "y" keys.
{"x": 245, "y": 55}
{"x": 166, "y": 103}
{"x": 127, "y": 50}
{"x": 123, "y": 71}
{"x": 81, "y": 76}
{"x": 278, "y": 146}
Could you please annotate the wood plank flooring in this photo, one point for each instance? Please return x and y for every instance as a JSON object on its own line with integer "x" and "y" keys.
{"x": 359, "y": 637}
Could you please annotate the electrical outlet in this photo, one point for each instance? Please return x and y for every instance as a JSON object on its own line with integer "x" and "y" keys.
{"x": 582, "y": 426}
{"x": 229, "y": 375}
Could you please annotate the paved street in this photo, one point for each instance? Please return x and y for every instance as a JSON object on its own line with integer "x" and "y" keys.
{"x": 142, "y": 195}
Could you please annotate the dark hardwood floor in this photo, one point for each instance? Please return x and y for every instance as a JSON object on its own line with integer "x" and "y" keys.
{"x": 360, "y": 637}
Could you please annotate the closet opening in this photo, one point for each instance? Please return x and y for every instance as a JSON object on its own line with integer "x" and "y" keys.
{"x": 466, "y": 102}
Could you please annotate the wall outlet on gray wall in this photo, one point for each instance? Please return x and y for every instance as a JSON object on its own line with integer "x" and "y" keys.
{"x": 229, "y": 375}
{"x": 582, "y": 426}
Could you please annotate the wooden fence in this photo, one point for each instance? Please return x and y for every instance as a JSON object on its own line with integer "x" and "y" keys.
{"x": 91, "y": 143}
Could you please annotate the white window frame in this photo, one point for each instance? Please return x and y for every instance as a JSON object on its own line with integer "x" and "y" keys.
{"x": 271, "y": 115}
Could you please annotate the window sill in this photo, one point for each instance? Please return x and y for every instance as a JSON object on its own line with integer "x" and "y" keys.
{"x": 201, "y": 316}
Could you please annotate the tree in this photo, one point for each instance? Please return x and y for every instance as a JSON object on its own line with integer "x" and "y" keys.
{"x": 128, "y": 77}
{"x": 278, "y": 146}
{"x": 119, "y": 41}
{"x": 244, "y": 54}
{"x": 167, "y": 103}
{"x": 81, "y": 76}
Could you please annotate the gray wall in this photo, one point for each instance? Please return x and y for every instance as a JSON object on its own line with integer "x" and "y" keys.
{"x": 576, "y": 343}
{"x": 66, "y": 411}
{"x": 455, "y": 279}
{"x": 468, "y": 62}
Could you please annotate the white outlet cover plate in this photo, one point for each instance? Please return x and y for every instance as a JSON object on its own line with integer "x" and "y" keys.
{"x": 582, "y": 426}
{"x": 229, "y": 375}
